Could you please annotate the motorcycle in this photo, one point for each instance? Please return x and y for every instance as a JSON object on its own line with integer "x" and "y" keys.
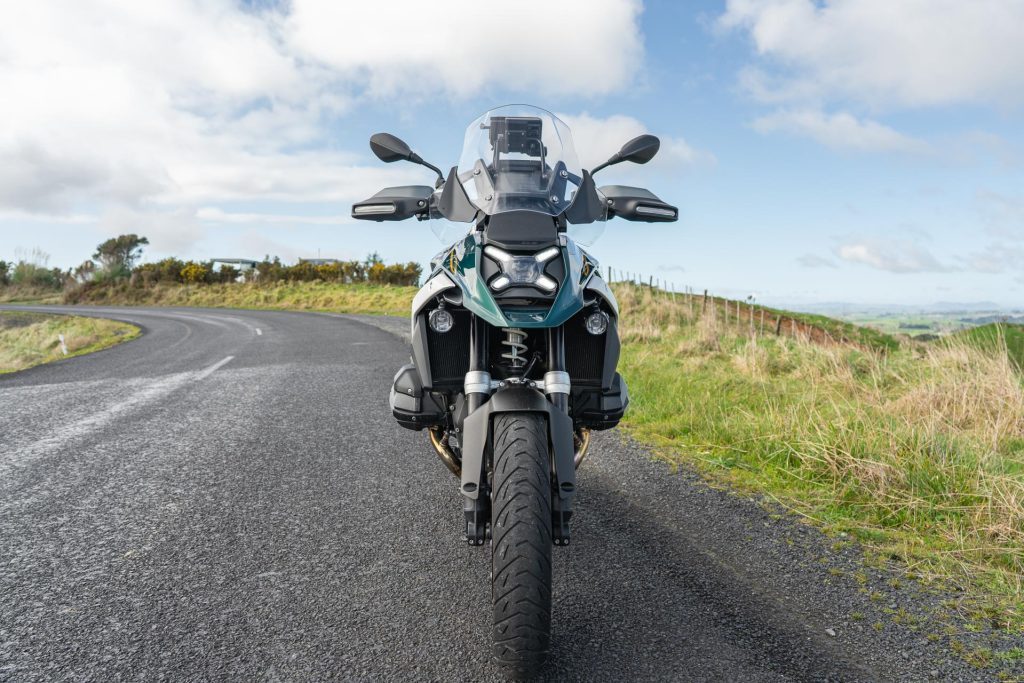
{"x": 514, "y": 343}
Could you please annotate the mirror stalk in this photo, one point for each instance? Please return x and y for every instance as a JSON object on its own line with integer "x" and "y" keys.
{"x": 417, "y": 159}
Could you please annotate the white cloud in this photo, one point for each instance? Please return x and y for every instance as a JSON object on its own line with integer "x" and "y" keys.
{"x": 839, "y": 131}
{"x": 597, "y": 138}
{"x": 582, "y": 47}
{"x": 882, "y": 53}
{"x": 995, "y": 258}
{"x": 170, "y": 231}
{"x": 894, "y": 256}
{"x": 126, "y": 110}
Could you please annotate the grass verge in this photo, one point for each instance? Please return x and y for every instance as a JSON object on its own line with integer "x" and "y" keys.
{"x": 306, "y": 296}
{"x": 916, "y": 450}
{"x": 29, "y": 339}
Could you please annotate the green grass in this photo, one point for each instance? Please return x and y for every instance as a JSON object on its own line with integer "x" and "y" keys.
{"x": 306, "y": 296}
{"x": 28, "y": 295}
{"x": 916, "y": 451}
{"x": 29, "y": 339}
{"x": 844, "y": 331}
{"x": 994, "y": 337}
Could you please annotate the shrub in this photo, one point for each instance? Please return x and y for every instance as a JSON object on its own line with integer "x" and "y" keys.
{"x": 194, "y": 273}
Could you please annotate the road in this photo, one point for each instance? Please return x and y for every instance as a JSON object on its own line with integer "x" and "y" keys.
{"x": 228, "y": 498}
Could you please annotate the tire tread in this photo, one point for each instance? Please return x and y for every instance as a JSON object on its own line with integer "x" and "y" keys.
{"x": 521, "y": 544}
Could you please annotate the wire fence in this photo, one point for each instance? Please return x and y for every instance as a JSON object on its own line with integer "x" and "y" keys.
{"x": 746, "y": 315}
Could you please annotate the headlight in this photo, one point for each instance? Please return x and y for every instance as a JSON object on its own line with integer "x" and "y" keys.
{"x": 522, "y": 270}
{"x": 597, "y": 322}
{"x": 440, "y": 320}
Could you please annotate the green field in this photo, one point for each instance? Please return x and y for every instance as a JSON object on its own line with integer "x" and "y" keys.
{"x": 29, "y": 339}
{"x": 998, "y": 338}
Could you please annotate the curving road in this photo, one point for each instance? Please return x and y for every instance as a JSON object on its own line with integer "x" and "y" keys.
{"x": 228, "y": 498}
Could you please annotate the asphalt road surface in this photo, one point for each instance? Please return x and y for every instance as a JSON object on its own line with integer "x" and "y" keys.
{"x": 228, "y": 498}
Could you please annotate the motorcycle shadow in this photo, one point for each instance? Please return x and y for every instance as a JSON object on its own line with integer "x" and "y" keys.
{"x": 637, "y": 598}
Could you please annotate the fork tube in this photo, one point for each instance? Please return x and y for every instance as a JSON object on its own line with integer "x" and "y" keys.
{"x": 477, "y": 357}
{"x": 556, "y": 363}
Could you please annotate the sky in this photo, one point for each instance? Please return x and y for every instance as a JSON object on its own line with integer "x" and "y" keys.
{"x": 867, "y": 151}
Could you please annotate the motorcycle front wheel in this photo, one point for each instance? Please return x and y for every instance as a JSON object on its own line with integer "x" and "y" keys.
{"x": 521, "y": 543}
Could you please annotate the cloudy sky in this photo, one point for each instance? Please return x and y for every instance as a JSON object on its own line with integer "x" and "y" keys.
{"x": 819, "y": 150}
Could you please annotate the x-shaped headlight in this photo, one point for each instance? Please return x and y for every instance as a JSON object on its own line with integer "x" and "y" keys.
{"x": 522, "y": 270}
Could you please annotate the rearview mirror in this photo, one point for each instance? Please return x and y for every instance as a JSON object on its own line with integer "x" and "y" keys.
{"x": 639, "y": 150}
{"x": 388, "y": 148}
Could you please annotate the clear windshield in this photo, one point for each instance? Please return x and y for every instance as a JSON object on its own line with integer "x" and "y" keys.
{"x": 519, "y": 158}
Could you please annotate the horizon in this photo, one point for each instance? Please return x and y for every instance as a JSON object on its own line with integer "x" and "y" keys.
{"x": 819, "y": 152}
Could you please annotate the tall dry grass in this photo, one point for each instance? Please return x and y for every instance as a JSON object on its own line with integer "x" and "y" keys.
{"x": 920, "y": 451}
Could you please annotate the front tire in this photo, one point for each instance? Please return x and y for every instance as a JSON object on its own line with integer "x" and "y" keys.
{"x": 521, "y": 543}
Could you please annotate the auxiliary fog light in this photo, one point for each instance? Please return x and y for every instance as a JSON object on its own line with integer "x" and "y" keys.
{"x": 440, "y": 320}
{"x": 597, "y": 322}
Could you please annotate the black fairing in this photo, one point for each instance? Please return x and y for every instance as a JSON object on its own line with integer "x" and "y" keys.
{"x": 521, "y": 230}
{"x": 413, "y": 407}
{"x": 601, "y": 408}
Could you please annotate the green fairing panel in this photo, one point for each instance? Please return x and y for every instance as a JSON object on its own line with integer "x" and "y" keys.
{"x": 461, "y": 262}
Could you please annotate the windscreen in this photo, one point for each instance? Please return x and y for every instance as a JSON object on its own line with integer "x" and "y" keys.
{"x": 519, "y": 158}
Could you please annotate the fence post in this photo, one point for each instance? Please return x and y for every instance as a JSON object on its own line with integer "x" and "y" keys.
{"x": 778, "y": 326}
{"x": 704, "y": 304}
{"x": 762, "y": 322}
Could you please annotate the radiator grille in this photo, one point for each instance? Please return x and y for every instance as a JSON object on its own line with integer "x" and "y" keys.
{"x": 584, "y": 354}
{"x": 449, "y": 352}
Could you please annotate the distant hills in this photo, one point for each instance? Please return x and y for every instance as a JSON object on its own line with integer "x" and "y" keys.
{"x": 939, "y": 307}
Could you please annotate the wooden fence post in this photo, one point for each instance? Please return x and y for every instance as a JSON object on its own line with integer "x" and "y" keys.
{"x": 704, "y": 305}
{"x": 778, "y": 326}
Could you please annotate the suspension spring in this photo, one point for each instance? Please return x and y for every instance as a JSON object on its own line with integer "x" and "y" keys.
{"x": 514, "y": 340}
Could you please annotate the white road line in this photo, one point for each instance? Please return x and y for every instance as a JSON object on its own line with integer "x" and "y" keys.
{"x": 259, "y": 332}
{"x": 67, "y": 433}
{"x": 214, "y": 368}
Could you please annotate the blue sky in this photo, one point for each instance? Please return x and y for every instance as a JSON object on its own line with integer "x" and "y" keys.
{"x": 842, "y": 150}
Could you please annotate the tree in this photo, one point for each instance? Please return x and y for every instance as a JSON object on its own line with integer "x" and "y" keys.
{"x": 119, "y": 254}
{"x": 5, "y": 270}
{"x": 85, "y": 272}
